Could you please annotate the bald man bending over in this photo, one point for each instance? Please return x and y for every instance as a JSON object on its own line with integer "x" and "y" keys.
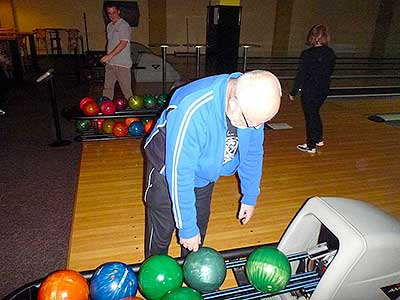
{"x": 212, "y": 127}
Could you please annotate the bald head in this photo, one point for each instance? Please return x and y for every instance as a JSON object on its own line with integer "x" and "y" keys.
{"x": 257, "y": 94}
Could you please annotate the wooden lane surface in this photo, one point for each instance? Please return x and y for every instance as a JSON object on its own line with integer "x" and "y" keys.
{"x": 360, "y": 160}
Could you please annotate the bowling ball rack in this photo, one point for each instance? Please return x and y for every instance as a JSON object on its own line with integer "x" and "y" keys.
{"x": 96, "y": 134}
{"x": 304, "y": 283}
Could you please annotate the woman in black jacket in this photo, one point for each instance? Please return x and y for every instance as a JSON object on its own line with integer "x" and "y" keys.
{"x": 313, "y": 80}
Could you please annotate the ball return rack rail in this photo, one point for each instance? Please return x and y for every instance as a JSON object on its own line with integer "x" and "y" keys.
{"x": 235, "y": 259}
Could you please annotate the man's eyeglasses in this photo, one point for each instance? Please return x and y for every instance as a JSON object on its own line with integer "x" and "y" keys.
{"x": 245, "y": 119}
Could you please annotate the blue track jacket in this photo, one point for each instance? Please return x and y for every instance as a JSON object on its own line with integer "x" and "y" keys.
{"x": 195, "y": 129}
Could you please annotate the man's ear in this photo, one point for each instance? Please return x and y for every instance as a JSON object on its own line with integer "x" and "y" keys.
{"x": 232, "y": 104}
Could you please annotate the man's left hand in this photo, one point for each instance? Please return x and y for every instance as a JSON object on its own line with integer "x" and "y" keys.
{"x": 192, "y": 244}
{"x": 245, "y": 213}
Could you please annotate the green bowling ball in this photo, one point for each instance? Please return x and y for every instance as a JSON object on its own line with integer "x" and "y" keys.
{"x": 82, "y": 125}
{"x": 135, "y": 102}
{"x": 182, "y": 293}
{"x": 268, "y": 269}
{"x": 149, "y": 101}
{"x": 162, "y": 99}
{"x": 158, "y": 275}
{"x": 204, "y": 270}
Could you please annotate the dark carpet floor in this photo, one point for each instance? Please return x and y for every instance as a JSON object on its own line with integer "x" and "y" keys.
{"x": 37, "y": 181}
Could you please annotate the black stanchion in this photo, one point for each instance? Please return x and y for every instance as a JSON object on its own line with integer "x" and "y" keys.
{"x": 164, "y": 61}
{"x": 245, "y": 49}
{"x": 48, "y": 76}
{"x": 164, "y": 65}
{"x": 198, "y": 49}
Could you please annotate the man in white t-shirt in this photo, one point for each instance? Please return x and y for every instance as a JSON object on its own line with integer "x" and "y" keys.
{"x": 118, "y": 61}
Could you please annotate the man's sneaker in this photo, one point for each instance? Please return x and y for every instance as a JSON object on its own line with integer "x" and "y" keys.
{"x": 320, "y": 144}
{"x": 305, "y": 148}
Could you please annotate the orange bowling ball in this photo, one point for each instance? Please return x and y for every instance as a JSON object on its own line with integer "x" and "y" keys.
{"x": 90, "y": 108}
{"x": 128, "y": 121}
{"x": 148, "y": 126}
{"x": 120, "y": 129}
{"x": 64, "y": 285}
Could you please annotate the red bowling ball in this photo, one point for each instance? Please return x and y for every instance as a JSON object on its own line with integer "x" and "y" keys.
{"x": 108, "y": 108}
{"x": 97, "y": 124}
{"x": 120, "y": 103}
{"x": 84, "y": 101}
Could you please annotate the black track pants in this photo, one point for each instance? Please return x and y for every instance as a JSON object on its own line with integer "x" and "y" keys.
{"x": 314, "y": 130}
{"x": 160, "y": 222}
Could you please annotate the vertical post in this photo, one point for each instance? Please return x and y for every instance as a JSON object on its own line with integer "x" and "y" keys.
{"x": 164, "y": 65}
{"x": 58, "y": 42}
{"x": 83, "y": 59}
{"x": 32, "y": 48}
{"x": 59, "y": 141}
{"x": 82, "y": 47}
{"x": 18, "y": 71}
{"x": 282, "y": 28}
{"x": 383, "y": 26}
{"x": 86, "y": 33}
{"x": 197, "y": 61}
{"x": 245, "y": 48}
{"x": 198, "y": 47}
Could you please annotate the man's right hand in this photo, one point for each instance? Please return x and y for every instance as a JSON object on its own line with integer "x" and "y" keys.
{"x": 191, "y": 244}
{"x": 105, "y": 59}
